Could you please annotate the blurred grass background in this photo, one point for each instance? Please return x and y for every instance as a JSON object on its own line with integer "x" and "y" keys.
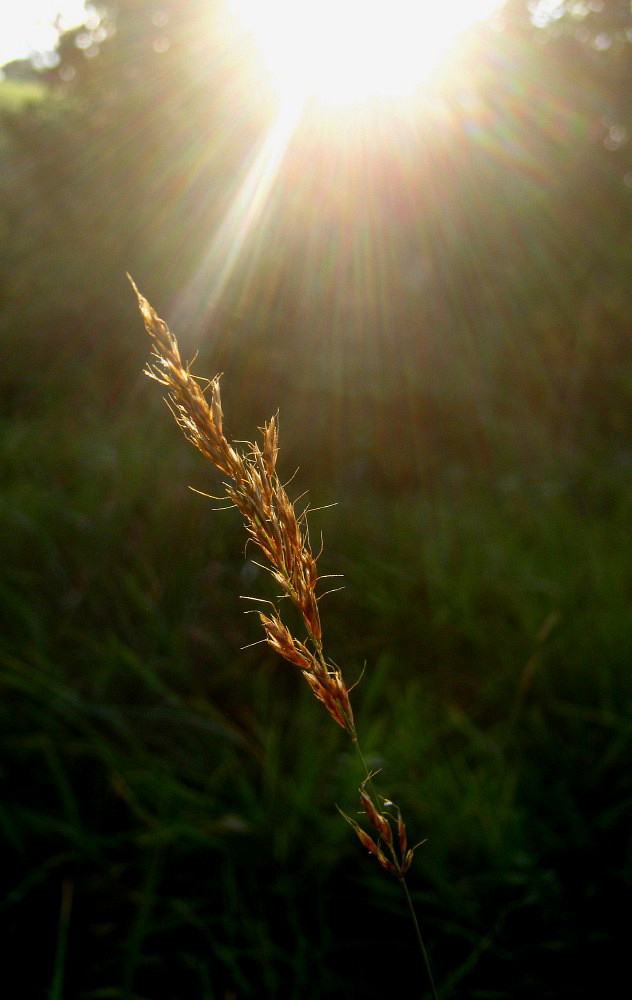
{"x": 440, "y": 311}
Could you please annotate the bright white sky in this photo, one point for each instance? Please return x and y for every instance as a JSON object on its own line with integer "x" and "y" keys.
{"x": 26, "y": 26}
{"x": 333, "y": 49}
{"x": 340, "y": 50}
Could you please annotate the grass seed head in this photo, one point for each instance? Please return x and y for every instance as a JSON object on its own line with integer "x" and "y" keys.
{"x": 270, "y": 518}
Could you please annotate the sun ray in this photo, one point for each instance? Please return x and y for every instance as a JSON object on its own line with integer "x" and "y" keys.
{"x": 326, "y": 58}
{"x": 204, "y": 289}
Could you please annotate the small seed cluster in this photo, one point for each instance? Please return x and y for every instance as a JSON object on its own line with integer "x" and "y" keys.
{"x": 390, "y": 846}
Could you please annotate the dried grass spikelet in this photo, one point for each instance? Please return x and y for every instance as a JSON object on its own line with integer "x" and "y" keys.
{"x": 390, "y": 845}
{"x": 270, "y": 518}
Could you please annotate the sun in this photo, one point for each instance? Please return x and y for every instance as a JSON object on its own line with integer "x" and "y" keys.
{"x": 342, "y": 51}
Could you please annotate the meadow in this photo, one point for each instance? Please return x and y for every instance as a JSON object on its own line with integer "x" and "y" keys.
{"x": 168, "y": 816}
{"x": 170, "y": 825}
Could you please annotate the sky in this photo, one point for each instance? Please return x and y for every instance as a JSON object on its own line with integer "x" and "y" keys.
{"x": 26, "y": 26}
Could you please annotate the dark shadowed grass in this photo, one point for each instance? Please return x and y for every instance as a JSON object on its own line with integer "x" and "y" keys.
{"x": 167, "y": 831}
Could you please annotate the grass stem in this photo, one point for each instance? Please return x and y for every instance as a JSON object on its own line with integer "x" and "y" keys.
{"x": 368, "y": 781}
{"x": 420, "y": 940}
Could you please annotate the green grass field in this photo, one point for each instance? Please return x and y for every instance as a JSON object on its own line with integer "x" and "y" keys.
{"x": 169, "y": 819}
{"x": 439, "y": 310}
{"x": 15, "y": 95}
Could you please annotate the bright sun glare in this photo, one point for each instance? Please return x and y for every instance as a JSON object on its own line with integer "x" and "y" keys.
{"x": 341, "y": 51}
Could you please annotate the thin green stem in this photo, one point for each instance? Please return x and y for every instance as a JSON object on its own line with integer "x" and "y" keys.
{"x": 57, "y": 986}
{"x": 411, "y": 908}
{"x": 365, "y": 768}
{"x": 420, "y": 940}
